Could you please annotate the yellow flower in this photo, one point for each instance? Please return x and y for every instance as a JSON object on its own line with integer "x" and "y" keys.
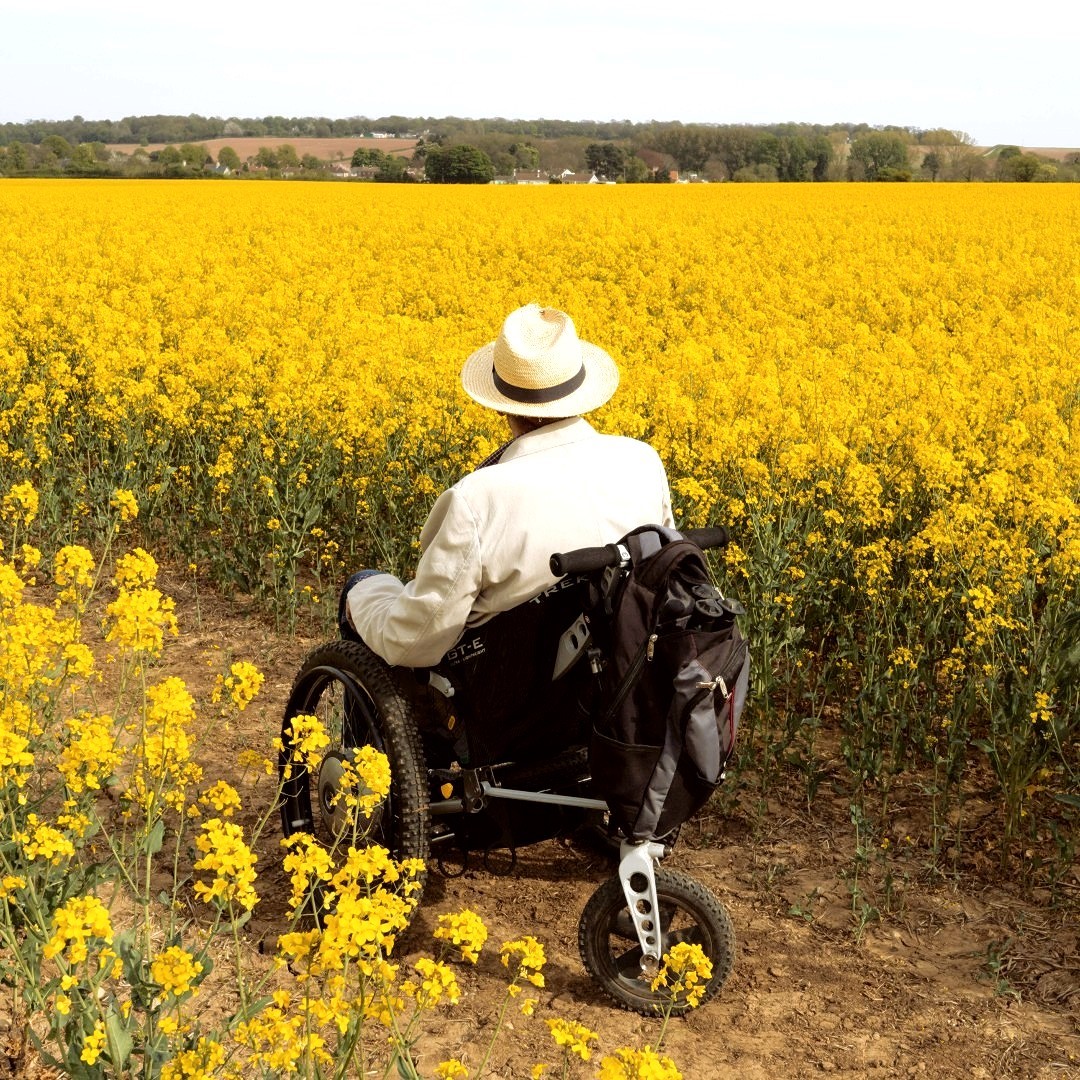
{"x": 20, "y": 503}
{"x": 135, "y": 570}
{"x": 125, "y": 501}
{"x": 464, "y": 929}
{"x": 573, "y": 1036}
{"x": 685, "y": 972}
{"x": 92, "y": 753}
{"x": 243, "y": 683}
{"x": 16, "y": 760}
{"x": 80, "y": 920}
{"x": 524, "y": 958}
{"x": 222, "y": 797}
{"x": 307, "y": 740}
{"x": 141, "y": 618}
{"x": 202, "y": 1062}
{"x": 175, "y": 970}
{"x": 231, "y": 861}
{"x": 643, "y": 1064}
{"x": 450, "y": 1070}
{"x": 9, "y": 884}
{"x": 94, "y": 1044}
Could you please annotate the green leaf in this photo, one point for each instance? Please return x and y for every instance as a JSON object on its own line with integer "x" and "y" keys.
{"x": 253, "y": 1008}
{"x": 119, "y": 1040}
{"x": 1067, "y": 799}
{"x": 154, "y": 838}
{"x": 130, "y": 956}
{"x": 241, "y": 920}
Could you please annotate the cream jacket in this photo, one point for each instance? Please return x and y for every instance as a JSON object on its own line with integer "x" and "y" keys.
{"x": 487, "y": 541}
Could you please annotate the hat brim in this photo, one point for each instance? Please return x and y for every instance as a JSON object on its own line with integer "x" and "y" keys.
{"x": 601, "y": 381}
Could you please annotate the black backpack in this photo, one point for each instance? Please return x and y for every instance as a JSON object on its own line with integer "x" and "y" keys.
{"x": 673, "y": 685}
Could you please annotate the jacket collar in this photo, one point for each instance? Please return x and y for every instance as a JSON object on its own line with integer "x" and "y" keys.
{"x": 561, "y": 433}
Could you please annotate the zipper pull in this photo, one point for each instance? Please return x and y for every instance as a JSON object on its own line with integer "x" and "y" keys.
{"x": 651, "y": 646}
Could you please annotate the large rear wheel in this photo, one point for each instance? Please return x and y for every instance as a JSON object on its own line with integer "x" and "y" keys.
{"x": 353, "y": 693}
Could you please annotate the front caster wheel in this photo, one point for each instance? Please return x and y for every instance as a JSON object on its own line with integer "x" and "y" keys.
{"x": 612, "y": 955}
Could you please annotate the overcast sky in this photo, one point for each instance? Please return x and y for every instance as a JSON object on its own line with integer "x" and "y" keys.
{"x": 1004, "y": 72}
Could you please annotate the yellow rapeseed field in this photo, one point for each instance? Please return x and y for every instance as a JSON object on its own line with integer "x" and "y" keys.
{"x": 875, "y": 386}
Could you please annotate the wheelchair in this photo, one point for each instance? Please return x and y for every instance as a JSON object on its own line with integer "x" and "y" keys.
{"x": 488, "y": 753}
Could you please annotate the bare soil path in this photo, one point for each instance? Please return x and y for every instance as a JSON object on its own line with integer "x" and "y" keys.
{"x": 962, "y": 978}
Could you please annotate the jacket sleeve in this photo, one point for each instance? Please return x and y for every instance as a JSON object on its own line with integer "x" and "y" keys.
{"x": 414, "y": 625}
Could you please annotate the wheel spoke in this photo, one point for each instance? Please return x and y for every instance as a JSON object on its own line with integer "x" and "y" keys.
{"x": 628, "y": 963}
{"x": 690, "y": 934}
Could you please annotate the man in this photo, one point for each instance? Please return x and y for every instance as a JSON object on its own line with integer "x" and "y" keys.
{"x": 558, "y": 485}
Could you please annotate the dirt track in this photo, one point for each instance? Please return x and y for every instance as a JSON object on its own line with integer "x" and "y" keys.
{"x": 965, "y": 979}
{"x": 961, "y": 979}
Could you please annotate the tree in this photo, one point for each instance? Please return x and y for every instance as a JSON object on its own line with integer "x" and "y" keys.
{"x": 460, "y": 164}
{"x": 82, "y": 158}
{"x": 762, "y": 173}
{"x": 691, "y": 147}
{"x": 266, "y": 158}
{"x": 794, "y": 161}
{"x": 228, "y": 157}
{"x": 194, "y": 155}
{"x": 392, "y": 170}
{"x": 606, "y": 160}
{"x": 287, "y": 157}
{"x": 877, "y": 151}
{"x": 367, "y": 157}
{"x": 931, "y": 164}
{"x": 58, "y": 146}
{"x": 1022, "y": 168}
{"x": 635, "y": 171}
{"x": 525, "y": 155}
{"x": 734, "y": 146}
{"x": 310, "y": 163}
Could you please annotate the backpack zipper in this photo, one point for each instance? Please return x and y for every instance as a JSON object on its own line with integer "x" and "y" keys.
{"x": 632, "y": 675}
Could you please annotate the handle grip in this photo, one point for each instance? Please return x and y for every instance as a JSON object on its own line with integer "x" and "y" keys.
{"x": 584, "y": 560}
{"x": 715, "y": 537}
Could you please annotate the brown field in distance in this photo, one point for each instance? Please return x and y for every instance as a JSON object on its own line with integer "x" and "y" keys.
{"x": 338, "y": 149}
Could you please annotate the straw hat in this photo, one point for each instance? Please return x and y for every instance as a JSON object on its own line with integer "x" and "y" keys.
{"x": 538, "y": 366}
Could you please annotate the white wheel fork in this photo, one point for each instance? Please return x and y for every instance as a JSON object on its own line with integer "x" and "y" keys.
{"x": 637, "y": 863}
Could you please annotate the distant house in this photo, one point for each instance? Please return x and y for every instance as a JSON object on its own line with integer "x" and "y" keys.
{"x": 530, "y": 176}
{"x": 568, "y": 176}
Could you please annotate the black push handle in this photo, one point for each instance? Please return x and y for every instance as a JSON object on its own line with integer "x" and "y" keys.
{"x": 716, "y": 537}
{"x": 590, "y": 559}
{"x": 584, "y": 560}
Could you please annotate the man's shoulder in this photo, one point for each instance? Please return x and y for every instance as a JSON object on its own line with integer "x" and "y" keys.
{"x": 588, "y": 447}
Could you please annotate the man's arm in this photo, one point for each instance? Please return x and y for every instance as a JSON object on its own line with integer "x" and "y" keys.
{"x": 414, "y": 625}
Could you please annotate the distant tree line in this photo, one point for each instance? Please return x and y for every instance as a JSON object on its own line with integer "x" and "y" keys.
{"x": 453, "y": 150}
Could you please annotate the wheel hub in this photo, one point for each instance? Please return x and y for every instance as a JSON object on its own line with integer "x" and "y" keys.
{"x": 336, "y": 783}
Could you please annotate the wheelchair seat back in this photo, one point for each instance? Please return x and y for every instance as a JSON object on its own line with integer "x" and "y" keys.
{"x": 505, "y": 689}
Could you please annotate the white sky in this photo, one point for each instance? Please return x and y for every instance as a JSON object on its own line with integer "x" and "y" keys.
{"x": 1001, "y": 71}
